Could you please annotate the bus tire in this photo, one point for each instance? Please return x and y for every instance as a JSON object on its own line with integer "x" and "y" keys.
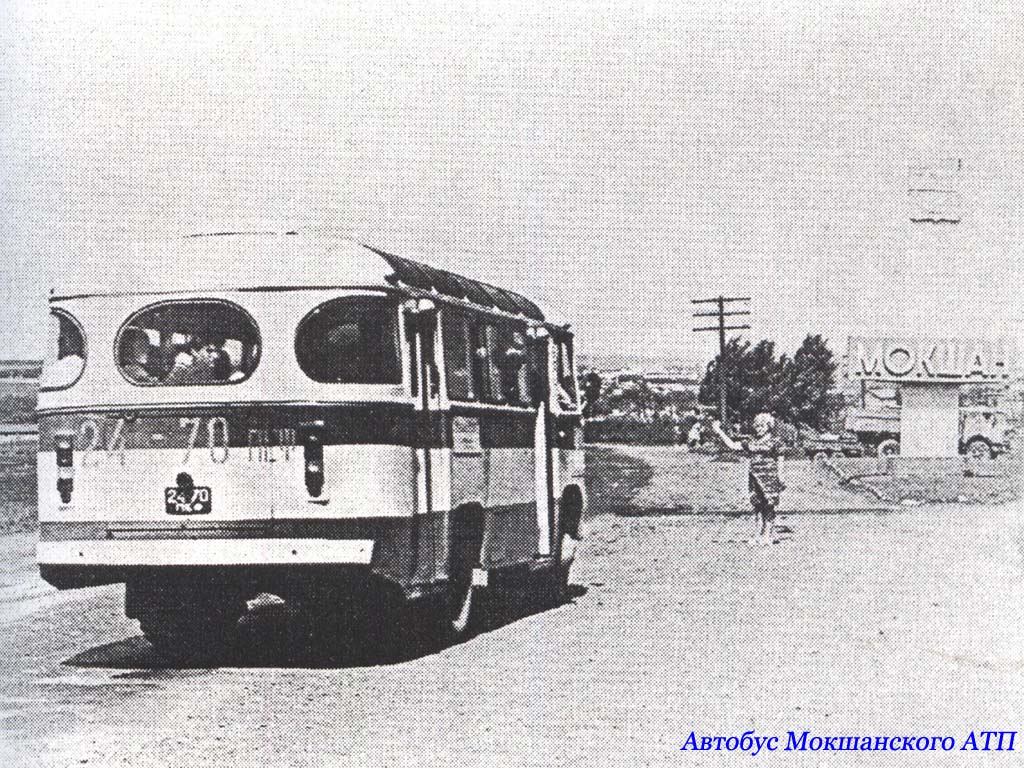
{"x": 979, "y": 448}
{"x": 186, "y": 621}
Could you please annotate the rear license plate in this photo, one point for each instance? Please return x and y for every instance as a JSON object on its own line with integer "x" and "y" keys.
{"x": 193, "y": 501}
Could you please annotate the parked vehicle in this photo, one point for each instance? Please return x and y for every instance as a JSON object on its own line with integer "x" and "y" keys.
{"x": 984, "y": 432}
{"x": 825, "y": 445}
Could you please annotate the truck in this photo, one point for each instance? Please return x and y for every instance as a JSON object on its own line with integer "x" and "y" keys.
{"x": 984, "y": 431}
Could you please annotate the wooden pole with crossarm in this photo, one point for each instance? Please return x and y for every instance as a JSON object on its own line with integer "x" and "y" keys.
{"x": 721, "y": 327}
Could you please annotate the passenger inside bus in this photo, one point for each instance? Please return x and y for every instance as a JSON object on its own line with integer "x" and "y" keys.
{"x": 511, "y": 363}
{"x": 181, "y": 343}
{"x": 201, "y": 361}
{"x": 135, "y": 356}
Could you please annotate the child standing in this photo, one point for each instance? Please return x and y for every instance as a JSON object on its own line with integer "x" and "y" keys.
{"x": 764, "y": 451}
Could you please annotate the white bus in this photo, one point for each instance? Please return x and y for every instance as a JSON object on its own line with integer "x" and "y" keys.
{"x": 305, "y": 416}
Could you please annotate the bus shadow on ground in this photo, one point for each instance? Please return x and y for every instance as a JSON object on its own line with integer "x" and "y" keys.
{"x": 280, "y": 641}
{"x": 613, "y": 478}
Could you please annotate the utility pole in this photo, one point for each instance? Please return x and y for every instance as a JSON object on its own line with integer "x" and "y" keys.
{"x": 720, "y": 313}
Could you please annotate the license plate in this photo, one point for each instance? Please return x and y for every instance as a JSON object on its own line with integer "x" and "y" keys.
{"x": 192, "y": 501}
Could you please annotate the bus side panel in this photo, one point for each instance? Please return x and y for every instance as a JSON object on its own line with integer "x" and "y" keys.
{"x": 511, "y": 530}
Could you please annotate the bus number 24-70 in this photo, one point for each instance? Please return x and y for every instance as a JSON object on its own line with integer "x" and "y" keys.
{"x": 109, "y": 437}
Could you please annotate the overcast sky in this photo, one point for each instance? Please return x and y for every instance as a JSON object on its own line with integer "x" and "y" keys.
{"x": 612, "y": 162}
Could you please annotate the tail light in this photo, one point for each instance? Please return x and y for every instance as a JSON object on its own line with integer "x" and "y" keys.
{"x": 65, "y": 465}
{"x": 312, "y": 437}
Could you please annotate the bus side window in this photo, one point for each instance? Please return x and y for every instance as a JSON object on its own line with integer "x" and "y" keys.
{"x": 457, "y": 350}
{"x": 566, "y": 374}
{"x": 477, "y": 358}
{"x": 492, "y": 346}
{"x": 512, "y": 362}
{"x": 426, "y": 333}
{"x": 536, "y": 372}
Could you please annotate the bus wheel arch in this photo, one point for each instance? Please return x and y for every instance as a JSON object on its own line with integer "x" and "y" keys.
{"x": 460, "y": 607}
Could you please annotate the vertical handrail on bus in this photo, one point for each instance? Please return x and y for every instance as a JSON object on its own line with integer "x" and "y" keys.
{"x": 549, "y": 455}
{"x": 540, "y": 336}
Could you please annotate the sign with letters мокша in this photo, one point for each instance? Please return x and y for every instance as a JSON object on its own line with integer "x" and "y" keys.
{"x": 923, "y": 360}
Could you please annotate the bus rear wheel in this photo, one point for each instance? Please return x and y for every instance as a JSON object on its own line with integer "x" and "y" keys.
{"x": 186, "y": 620}
{"x": 191, "y": 636}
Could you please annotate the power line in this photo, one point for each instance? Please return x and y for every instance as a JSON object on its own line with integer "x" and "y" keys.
{"x": 721, "y": 327}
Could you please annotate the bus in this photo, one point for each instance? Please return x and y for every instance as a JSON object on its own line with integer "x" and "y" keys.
{"x": 309, "y": 417}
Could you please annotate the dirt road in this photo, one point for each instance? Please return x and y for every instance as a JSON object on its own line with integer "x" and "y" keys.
{"x": 861, "y": 624}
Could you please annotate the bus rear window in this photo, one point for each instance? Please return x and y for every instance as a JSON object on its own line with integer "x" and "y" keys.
{"x": 65, "y": 352}
{"x": 350, "y": 341}
{"x": 180, "y": 343}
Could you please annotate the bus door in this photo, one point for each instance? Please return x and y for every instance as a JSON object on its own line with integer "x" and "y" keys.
{"x": 429, "y": 530}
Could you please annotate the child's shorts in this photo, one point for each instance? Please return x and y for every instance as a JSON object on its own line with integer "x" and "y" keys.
{"x": 762, "y": 506}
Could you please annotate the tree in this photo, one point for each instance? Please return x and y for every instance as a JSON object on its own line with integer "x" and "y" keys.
{"x": 753, "y": 376}
{"x": 735, "y": 351}
{"x": 797, "y": 390}
{"x": 811, "y": 379}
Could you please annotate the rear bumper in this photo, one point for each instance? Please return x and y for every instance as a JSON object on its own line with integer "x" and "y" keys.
{"x": 205, "y": 552}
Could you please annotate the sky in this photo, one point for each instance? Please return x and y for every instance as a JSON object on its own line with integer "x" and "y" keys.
{"x": 611, "y": 161}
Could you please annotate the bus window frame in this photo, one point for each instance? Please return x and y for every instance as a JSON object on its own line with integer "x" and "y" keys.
{"x": 165, "y": 302}
{"x": 400, "y": 337}
{"x": 60, "y": 312}
{"x": 462, "y": 318}
{"x": 563, "y": 352}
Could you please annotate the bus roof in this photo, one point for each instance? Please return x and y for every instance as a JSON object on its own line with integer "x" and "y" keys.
{"x": 275, "y": 261}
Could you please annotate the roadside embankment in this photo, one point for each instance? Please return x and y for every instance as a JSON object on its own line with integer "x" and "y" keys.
{"x": 652, "y": 480}
{"x": 920, "y": 481}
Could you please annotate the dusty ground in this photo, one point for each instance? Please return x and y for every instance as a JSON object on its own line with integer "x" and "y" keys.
{"x": 17, "y": 484}
{"x": 854, "y": 624}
